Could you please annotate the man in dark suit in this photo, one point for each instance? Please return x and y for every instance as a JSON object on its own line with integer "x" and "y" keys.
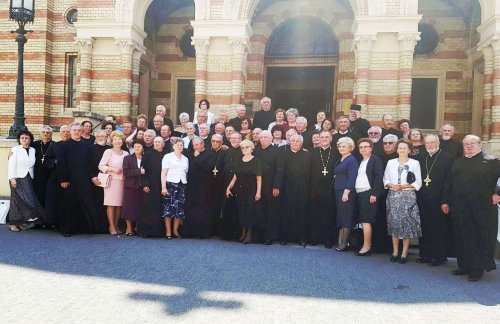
{"x": 387, "y": 129}
{"x": 236, "y": 121}
{"x": 448, "y": 144}
{"x": 265, "y": 116}
{"x": 161, "y": 110}
{"x": 358, "y": 126}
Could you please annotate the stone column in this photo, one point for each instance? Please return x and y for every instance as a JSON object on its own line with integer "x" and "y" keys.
{"x": 240, "y": 46}
{"x": 407, "y": 42}
{"x": 487, "y": 92}
{"x": 136, "y": 66}
{"x": 362, "y": 45}
{"x": 126, "y": 50}
{"x": 86, "y": 46}
{"x": 201, "y": 47}
{"x": 495, "y": 107}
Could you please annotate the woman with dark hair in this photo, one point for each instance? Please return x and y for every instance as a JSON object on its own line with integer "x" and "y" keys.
{"x": 139, "y": 134}
{"x": 417, "y": 140}
{"x": 246, "y": 128}
{"x": 204, "y": 105}
{"x": 109, "y": 127}
{"x": 328, "y": 125}
{"x": 25, "y": 209}
{"x": 279, "y": 135}
{"x": 402, "y": 177}
{"x": 87, "y": 128}
{"x": 369, "y": 186}
{"x": 280, "y": 117}
{"x": 405, "y": 127}
{"x": 132, "y": 197}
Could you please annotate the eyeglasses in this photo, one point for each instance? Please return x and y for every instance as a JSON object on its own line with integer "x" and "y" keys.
{"x": 364, "y": 147}
{"x": 373, "y": 133}
{"x": 245, "y": 147}
{"x": 389, "y": 143}
{"x": 214, "y": 141}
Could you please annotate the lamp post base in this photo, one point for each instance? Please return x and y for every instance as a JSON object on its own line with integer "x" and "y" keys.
{"x": 15, "y": 129}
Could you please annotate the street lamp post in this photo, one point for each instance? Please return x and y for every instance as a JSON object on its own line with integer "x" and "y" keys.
{"x": 23, "y": 12}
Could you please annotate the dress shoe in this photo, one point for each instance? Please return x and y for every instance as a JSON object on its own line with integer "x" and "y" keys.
{"x": 367, "y": 253}
{"x": 436, "y": 263}
{"x": 283, "y": 243}
{"x": 268, "y": 242}
{"x": 460, "y": 272}
{"x": 168, "y": 237}
{"x": 176, "y": 236}
{"x": 402, "y": 260}
{"x": 328, "y": 245}
{"x": 423, "y": 260}
{"x": 303, "y": 243}
{"x": 475, "y": 275}
{"x": 66, "y": 234}
{"x": 394, "y": 258}
{"x": 342, "y": 249}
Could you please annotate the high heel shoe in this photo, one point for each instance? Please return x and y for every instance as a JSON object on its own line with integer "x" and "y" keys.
{"x": 342, "y": 249}
{"x": 367, "y": 253}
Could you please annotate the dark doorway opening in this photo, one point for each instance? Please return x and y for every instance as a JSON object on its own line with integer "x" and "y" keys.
{"x": 424, "y": 103}
{"x": 308, "y": 88}
{"x": 185, "y": 98}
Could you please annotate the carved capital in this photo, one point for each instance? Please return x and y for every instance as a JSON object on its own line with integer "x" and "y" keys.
{"x": 126, "y": 46}
{"x": 240, "y": 44}
{"x": 407, "y": 41}
{"x": 200, "y": 45}
{"x": 85, "y": 45}
{"x": 363, "y": 42}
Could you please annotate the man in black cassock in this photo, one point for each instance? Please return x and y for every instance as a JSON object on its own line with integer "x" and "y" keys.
{"x": 301, "y": 128}
{"x": 41, "y": 172}
{"x": 358, "y": 126}
{"x": 236, "y": 121}
{"x": 470, "y": 198}
{"x": 448, "y": 144}
{"x": 435, "y": 165}
{"x": 272, "y": 180}
{"x": 322, "y": 210}
{"x": 265, "y": 116}
{"x": 150, "y": 223}
{"x": 198, "y": 222}
{"x": 229, "y": 225}
{"x": 343, "y": 124}
{"x": 216, "y": 191}
{"x": 78, "y": 213}
{"x": 296, "y": 193}
{"x": 388, "y": 124}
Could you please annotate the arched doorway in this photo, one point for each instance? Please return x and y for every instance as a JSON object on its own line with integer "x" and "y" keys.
{"x": 301, "y": 59}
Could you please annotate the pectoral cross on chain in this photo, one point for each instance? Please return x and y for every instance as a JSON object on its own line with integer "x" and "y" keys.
{"x": 427, "y": 180}
{"x": 324, "y": 172}
{"x": 215, "y": 171}
{"x": 43, "y": 159}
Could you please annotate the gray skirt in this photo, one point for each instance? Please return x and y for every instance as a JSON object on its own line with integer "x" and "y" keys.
{"x": 24, "y": 205}
{"x": 403, "y": 218}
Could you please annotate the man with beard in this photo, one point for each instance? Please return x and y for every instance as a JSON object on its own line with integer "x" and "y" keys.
{"x": 435, "y": 165}
{"x": 301, "y": 128}
{"x": 296, "y": 193}
{"x": 470, "y": 197}
{"x": 265, "y": 116}
{"x": 272, "y": 179}
{"x": 381, "y": 240}
{"x": 375, "y": 134}
{"x": 76, "y": 175}
{"x": 53, "y": 188}
{"x": 358, "y": 126}
{"x": 215, "y": 161}
{"x": 343, "y": 125}
{"x": 198, "y": 218}
{"x": 448, "y": 144}
{"x": 322, "y": 211}
{"x": 41, "y": 173}
{"x": 150, "y": 223}
{"x": 230, "y": 229}
{"x": 388, "y": 121}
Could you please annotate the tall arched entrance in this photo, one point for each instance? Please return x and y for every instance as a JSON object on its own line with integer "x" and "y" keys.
{"x": 301, "y": 59}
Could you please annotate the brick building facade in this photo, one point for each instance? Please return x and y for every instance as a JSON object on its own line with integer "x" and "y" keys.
{"x": 123, "y": 57}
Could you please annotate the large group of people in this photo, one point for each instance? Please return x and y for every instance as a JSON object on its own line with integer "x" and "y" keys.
{"x": 275, "y": 179}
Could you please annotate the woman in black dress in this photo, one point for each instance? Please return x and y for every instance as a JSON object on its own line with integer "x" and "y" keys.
{"x": 246, "y": 185}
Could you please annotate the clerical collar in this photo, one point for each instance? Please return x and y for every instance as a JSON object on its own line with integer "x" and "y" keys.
{"x": 431, "y": 154}
{"x": 325, "y": 148}
{"x": 294, "y": 151}
{"x": 471, "y": 156}
{"x": 340, "y": 132}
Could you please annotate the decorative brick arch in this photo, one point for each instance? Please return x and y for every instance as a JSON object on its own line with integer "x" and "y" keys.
{"x": 132, "y": 11}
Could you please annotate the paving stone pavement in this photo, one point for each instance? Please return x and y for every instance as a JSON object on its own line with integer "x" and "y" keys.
{"x": 46, "y": 278}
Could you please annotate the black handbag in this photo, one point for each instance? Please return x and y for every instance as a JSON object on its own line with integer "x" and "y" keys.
{"x": 410, "y": 177}
{"x": 356, "y": 238}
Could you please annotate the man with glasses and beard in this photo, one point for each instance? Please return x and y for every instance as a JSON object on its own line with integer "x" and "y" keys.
{"x": 448, "y": 144}
{"x": 215, "y": 162}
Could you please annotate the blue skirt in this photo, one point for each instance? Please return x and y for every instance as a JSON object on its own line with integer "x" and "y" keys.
{"x": 173, "y": 204}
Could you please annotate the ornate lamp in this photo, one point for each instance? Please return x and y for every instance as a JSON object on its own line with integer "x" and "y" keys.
{"x": 23, "y": 12}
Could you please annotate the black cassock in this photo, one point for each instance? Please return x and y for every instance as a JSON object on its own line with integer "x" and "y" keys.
{"x": 198, "y": 222}
{"x": 468, "y": 191}
{"x": 435, "y": 224}
{"x": 42, "y": 174}
{"x": 52, "y": 203}
{"x": 296, "y": 196}
{"x": 452, "y": 147}
{"x": 216, "y": 187}
{"x": 78, "y": 212}
{"x": 229, "y": 226}
{"x": 322, "y": 212}
{"x": 272, "y": 178}
{"x": 150, "y": 222}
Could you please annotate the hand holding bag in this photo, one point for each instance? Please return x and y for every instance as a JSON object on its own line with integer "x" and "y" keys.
{"x": 103, "y": 179}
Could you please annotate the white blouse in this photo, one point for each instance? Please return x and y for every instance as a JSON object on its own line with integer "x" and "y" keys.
{"x": 177, "y": 168}
{"x": 391, "y": 173}
{"x": 362, "y": 182}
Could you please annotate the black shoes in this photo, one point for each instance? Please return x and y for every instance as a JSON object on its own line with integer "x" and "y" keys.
{"x": 423, "y": 260}
{"x": 65, "y": 234}
{"x": 402, "y": 260}
{"x": 268, "y": 242}
{"x": 460, "y": 272}
{"x": 342, "y": 249}
{"x": 367, "y": 253}
{"x": 436, "y": 263}
{"x": 394, "y": 258}
{"x": 475, "y": 275}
